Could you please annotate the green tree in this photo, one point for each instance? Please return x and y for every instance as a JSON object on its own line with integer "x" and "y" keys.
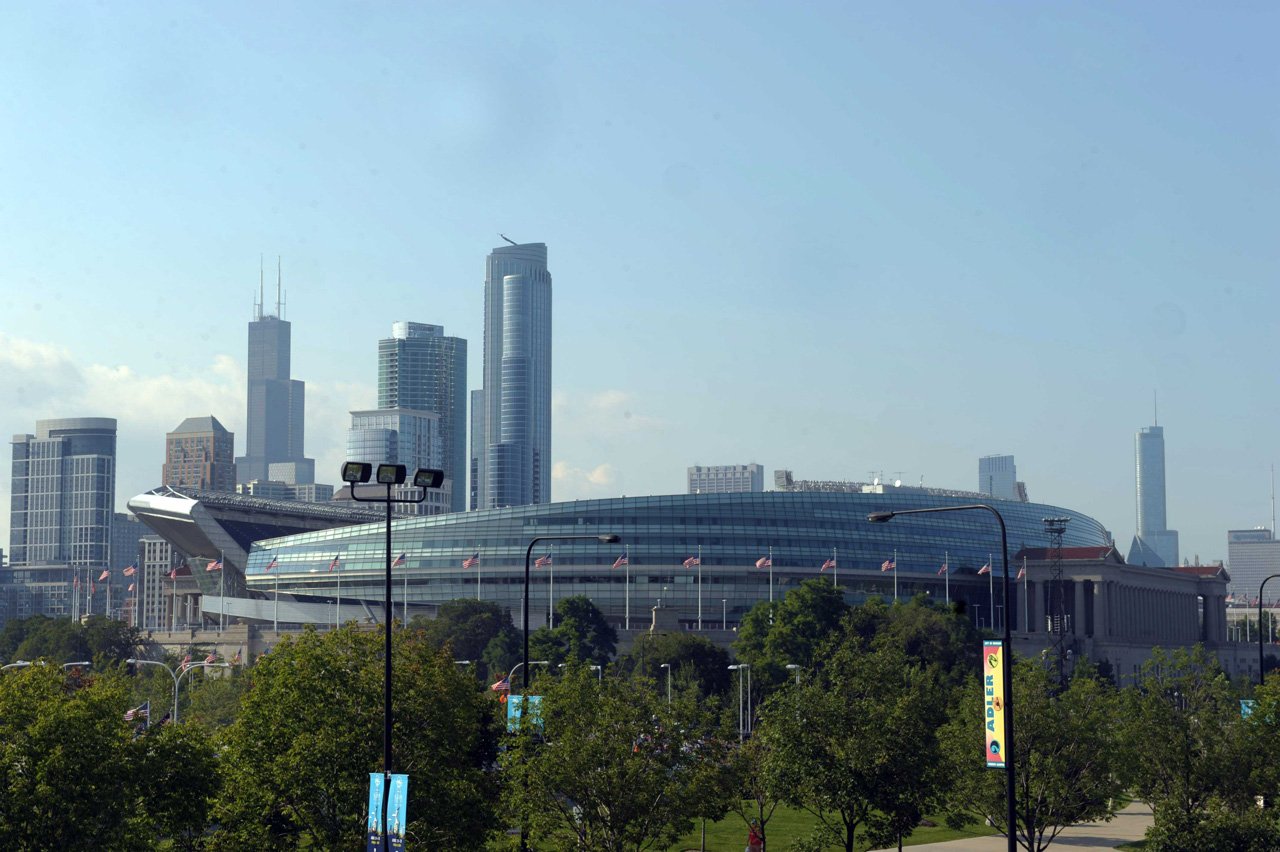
{"x": 859, "y": 743}
{"x": 180, "y": 767}
{"x": 1067, "y": 755}
{"x": 695, "y": 661}
{"x": 789, "y": 631}
{"x": 758, "y": 783}
{"x": 581, "y": 634}
{"x": 614, "y": 767}
{"x": 298, "y": 757}
{"x": 1187, "y": 746}
{"x": 473, "y": 630}
{"x": 100, "y": 640}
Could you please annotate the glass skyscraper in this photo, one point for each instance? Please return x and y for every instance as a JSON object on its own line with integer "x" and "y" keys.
{"x": 1153, "y": 532}
{"x": 276, "y": 404}
{"x": 997, "y": 476}
{"x": 512, "y": 461}
{"x": 421, "y": 370}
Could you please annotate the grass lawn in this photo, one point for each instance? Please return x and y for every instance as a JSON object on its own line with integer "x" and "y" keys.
{"x": 730, "y": 833}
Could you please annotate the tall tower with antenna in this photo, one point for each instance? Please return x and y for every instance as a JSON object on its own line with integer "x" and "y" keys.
{"x": 276, "y": 403}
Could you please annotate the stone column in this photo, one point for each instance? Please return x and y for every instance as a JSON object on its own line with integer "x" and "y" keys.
{"x": 1078, "y": 623}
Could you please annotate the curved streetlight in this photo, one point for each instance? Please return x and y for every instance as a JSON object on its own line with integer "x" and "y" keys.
{"x": 1260, "y": 588}
{"x": 177, "y": 677}
{"x": 1011, "y": 813}
{"x": 605, "y": 538}
{"x": 22, "y": 664}
{"x": 16, "y": 664}
{"x": 512, "y": 675}
{"x": 795, "y": 668}
{"x": 743, "y": 722}
{"x": 667, "y": 666}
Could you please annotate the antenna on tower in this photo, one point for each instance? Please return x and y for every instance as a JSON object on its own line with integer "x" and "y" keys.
{"x": 508, "y": 239}
{"x": 1155, "y": 408}
{"x": 258, "y": 307}
{"x": 278, "y": 287}
{"x": 1273, "y": 501}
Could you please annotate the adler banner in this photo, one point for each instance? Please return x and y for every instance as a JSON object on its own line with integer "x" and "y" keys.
{"x": 993, "y": 698}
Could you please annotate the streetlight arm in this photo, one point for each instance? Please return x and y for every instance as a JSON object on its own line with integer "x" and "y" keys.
{"x": 1260, "y": 657}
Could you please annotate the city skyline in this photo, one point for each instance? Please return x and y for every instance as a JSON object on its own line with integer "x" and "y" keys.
{"x": 761, "y": 251}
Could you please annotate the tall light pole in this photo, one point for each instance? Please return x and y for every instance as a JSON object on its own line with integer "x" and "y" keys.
{"x": 605, "y": 538}
{"x": 793, "y": 667}
{"x": 354, "y": 474}
{"x": 744, "y": 722}
{"x": 177, "y": 677}
{"x": 1006, "y": 653}
{"x": 667, "y": 666}
{"x": 1260, "y": 658}
{"x": 724, "y": 613}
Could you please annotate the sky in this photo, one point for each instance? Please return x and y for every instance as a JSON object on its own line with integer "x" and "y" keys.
{"x": 829, "y": 237}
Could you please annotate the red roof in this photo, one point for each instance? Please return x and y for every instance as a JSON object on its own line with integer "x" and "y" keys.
{"x": 1199, "y": 570}
{"x": 1073, "y": 553}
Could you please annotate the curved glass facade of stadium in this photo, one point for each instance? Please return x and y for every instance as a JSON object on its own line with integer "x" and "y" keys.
{"x": 658, "y": 534}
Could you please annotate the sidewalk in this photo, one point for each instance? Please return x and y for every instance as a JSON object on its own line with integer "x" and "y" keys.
{"x": 1129, "y": 825}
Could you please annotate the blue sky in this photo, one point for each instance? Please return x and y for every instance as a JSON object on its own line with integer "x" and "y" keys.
{"x": 828, "y": 237}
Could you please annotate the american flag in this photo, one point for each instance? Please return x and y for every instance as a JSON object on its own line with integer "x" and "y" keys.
{"x": 105, "y": 575}
{"x": 1022, "y": 572}
{"x": 130, "y": 571}
{"x": 943, "y": 569}
{"x": 274, "y": 561}
{"x": 398, "y": 561}
{"x": 173, "y": 575}
{"x": 887, "y": 565}
{"x": 77, "y": 583}
{"x": 131, "y": 585}
{"x": 622, "y": 560}
{"x": 502, "y": 685}
{"x": 985, "y": 569}
{"x": 333, "y": 564}
{"x": 543, "y": 561}
{"x": 140, "y": 712}
{"x": 236, "y": 659}
{"x": 764, "y": 562}
{"x": 215, "y": 565}
{"x": 186, "y": 661}
{"x": 93, "y": 589}
{"x": 830, "y": 563}
{"x": 692, "y": 561}
{"x": 471, "y": 561}
{"x": 212, "y": 658}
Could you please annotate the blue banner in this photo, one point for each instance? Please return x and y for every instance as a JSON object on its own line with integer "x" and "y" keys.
{"x": 374, "y": 830}
{"x": 514, "y": 707}
{"x": 398, "y": 812}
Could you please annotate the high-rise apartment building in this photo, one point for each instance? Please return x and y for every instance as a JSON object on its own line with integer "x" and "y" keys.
{"x": 62, "y": 508}
{"x": 276, "y": 402}
{"x": 725, "y": 478}
{"x": 1252, "y": 556}
{"x": 512, "y": 461}
{"x": 421, "y": 370}
{"x": 200, "y": 454}
{"x": 998, "y": 476}
{"x": 1153, "y": 535}
{"x": 400, "y": 436}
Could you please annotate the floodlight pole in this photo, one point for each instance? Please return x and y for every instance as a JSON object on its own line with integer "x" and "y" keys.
{"x": 1011, "y": 812}
{"x": 386, "y": 620}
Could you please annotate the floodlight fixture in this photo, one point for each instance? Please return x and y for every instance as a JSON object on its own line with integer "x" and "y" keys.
{"x": 427, "y": 477}
{"x": 391, "y": 474}
{"x": 880, "y": 517}
{"x": 355, "y": 472}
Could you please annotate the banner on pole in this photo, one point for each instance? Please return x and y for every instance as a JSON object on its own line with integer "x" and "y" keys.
{"x": 516, "y": 704}
{"x": 374, "y": 829}
{"x": 993, "y": 697}
{"x": 398, "y": 812}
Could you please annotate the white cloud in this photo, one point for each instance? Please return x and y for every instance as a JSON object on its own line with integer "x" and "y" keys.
{"x": 576, "y": 483}
{"x": 603, "y": 414}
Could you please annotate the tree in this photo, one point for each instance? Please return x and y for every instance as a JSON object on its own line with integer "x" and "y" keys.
{"x": 758, "y": 784}
{"x": 581, "y": 634}
{"x": 180, "y": 767}
{"x": 1067, "y": 757}
{"x": 472, "y": 630}
{"x": 859, "y": 745}
{"x": 62, "y": 640}
{"x": 789, "y": 631}
{"x": 695, "y": 661}
{"x": 298, "y": 757}
{"x": 614, "y": 767}
{"x": 1187, "y": 746}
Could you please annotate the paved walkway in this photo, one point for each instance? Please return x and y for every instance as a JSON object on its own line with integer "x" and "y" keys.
{"x": 1130, "y": 824}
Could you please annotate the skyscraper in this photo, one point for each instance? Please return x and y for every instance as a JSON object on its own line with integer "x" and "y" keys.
{"x": 60, "y": 520}
{"x": 997, "y": 476}
{"x": 725, "y": 478}
{"x": 513, "y": 460}
{"x": 277, "y": 403}
{"x": 401, "y": 436}
{"x": 421, "y": 370}
{"x": 199, "y": 454}
{"x": 1153, "y": 532}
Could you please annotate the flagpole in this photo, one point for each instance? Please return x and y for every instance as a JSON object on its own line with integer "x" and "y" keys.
{"x": 108, "y": 594}
{"x": 338, "y": 617}
{"x": 405, "y": 609}
{"x": 222, "y": 593}
{"x": 627, "y": 593}
{"x": 991, "y": 594}
{"x": 275, "y": 620}
{"x": 1026, "y": 603}
{"x": 477, "y": 579}
{"x": 835, "y": 569}
{"x": 771, "y": 575}
{"x": 895, "y": 574}
{"x": 946, "y": 563}
{"x": 551, "y": 588}
{"x": 699, "y": 587}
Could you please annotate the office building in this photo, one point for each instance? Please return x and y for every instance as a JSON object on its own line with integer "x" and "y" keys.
{"x": 149, "y": 603}
{"x": 200, "y": 453}
{"x": 1154, "y": 536}
{"x": 276, "y": 402}
{"x": 275, "y": 489}
{"x": 725, "y": 478}
{"x": 513, "y": 458}
{"x": 998, "y": 477}
{"x": 1252, "y": 556}
{"x": 421, "y": 370}
{"x": 400, "y": 436}
{"x": 63, "y": 496}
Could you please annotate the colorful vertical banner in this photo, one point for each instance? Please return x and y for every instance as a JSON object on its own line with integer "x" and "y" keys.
{"x": 515, "y": 706}
{"x": 993, "y": 662}
{"x": 374, "y": 831}
{"x": 398, "y": 812}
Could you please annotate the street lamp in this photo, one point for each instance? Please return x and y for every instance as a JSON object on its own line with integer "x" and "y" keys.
{"x": 743, "y": 722}
{"x": 724, "y": 613}
{"x": 606, "y": 538}
{"x": 22, "y": 664}
{"x": 795, "y": 668}
{"x": 390, "y": 475}
{"x": 667, "y": 666}
{"x": 177, "y": 678}
{"x": 16, "y": 664}
{"x": 1260, "y": 588}
{"x": 1011, "y": 813}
